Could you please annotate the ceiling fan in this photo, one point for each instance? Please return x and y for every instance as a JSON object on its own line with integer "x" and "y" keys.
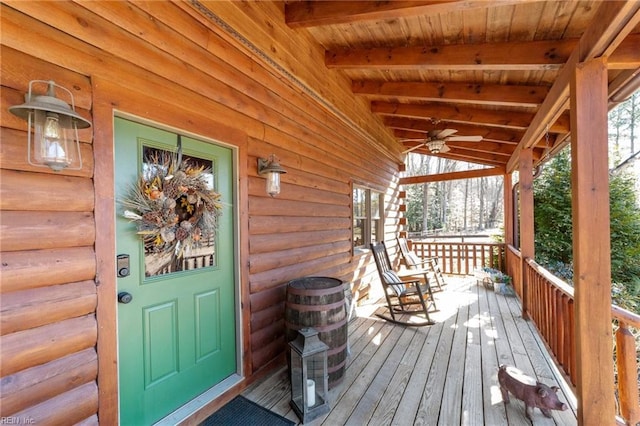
{"x": 436, "y": 140}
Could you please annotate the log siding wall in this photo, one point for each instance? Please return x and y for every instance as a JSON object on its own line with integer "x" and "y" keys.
{"x": 167, "y": 63}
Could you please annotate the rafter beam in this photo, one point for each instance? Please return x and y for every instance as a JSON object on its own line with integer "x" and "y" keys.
{"x": 466, "y": 174}
{"x": 510, "y": 56}
{"x": 627, "y": 54}
{"x": 488, "y": 147}
{"x": 518, "y": 56}
{"x": 466, "y": 155}
{"x": 465, "y": 114}
{"x": 615, "y": 21}
{"x": 496, "y": 148}
{"x": 487, "y": 94}
{"x": 473, "y": 157}
{"x": 316, "y": 13}
{"x": 488, "y": 133}
{"x": 455, "y": 113}
{"x": 623, "y": 86}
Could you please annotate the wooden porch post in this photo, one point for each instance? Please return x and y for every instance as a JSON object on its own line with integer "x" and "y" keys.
{"x": 527, "y": 249}
{"x": 508, "y": 209}
{"x": 591, "y": 243}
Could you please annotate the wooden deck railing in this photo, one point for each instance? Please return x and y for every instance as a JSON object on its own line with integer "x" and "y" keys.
{"x": 627, "y": 364}
{"x": 514, "y": 266}
{"x": 462, "y": 258}
{"x": 551, "y": 308}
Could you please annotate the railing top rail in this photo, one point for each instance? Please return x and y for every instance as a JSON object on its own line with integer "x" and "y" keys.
{"x": 513, "y": 250}
{"x": 625, "y": 316}
{"x": 456, "y": 243}
{"x": 618, "y": 313}
{"x": 564, "y": 287}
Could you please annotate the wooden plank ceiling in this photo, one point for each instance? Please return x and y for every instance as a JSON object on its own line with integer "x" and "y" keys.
{"x": 482, "y": 68}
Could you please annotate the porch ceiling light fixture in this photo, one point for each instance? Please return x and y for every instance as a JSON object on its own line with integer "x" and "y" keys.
{"x": 272, "y": 169}
{"x": 435, "y": 145}
{"x": 52, "y": 127}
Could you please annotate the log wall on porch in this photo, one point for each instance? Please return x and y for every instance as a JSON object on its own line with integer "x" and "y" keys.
{"x": 168, "y": 64}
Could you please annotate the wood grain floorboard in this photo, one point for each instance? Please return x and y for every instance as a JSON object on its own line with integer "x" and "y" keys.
{"x": 445, "y": 374}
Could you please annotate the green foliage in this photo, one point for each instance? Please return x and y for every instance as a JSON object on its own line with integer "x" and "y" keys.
{"x": 553, "y": 226}
{"x": 625, "y": 229}
{"x": 552, "y": 218}
{"x": 414, "y": 208}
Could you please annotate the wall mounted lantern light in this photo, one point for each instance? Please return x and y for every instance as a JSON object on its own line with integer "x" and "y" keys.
{"x": 273, "y": 170}
{"x": 53, "y": 128}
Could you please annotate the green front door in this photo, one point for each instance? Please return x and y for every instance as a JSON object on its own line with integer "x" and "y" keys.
{"x": 177, "y": 333}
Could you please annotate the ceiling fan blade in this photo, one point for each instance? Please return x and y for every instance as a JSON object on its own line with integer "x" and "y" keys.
{"x": 444, "y": 149}
{"x": 412, "y": 140}
{"x": 444, "y": 133}
{"x": 413, "y": 148}
{"x": 476, "y": 138}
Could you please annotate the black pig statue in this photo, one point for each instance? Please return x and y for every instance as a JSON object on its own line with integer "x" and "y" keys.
{"x": 533, "y": 395}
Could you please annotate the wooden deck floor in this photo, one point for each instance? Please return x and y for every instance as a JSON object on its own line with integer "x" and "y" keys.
{"x": 445, "y": 374}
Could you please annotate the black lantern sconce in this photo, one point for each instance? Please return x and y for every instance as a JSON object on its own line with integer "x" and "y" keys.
{"x": 309, "y": 376}
{"x": 53, "y": 128}
{"x": 272, "y": 169}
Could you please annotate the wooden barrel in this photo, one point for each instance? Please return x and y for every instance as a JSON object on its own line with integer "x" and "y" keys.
{"x": 319, "y": 302}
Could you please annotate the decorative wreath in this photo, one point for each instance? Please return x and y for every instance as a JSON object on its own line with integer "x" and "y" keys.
{"x": 172, "y": 206}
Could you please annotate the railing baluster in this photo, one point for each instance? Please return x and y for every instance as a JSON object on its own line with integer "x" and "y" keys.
{"x": 551, "y": 309}
{"x": 627, "y": 373}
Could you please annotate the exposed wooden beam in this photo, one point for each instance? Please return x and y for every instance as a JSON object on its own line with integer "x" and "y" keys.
{"x": 420, "y": 135}
{"x": 488, "y": 133}
{"x": 488, "y": 94}
{"x": 466, "y": 156}
{"x": 497, "y": 151}
{"x": 466, "y": 114}
{"x": 623, "y": 86}
{"x": 562, "y": 124}
{"x": 615, "y": 21}
{"x": 409, "y": 134}
{"x": 627, "y": 54}
{"x": 484, "y": 158}
{"x": 497, "y": 148}
{"x": 467, "y": 174}
{"x": 315, "y": 13}
{"x": 455, "y": 113}
{"x": 514, "y": 56}
{"x": 518, "y": 56}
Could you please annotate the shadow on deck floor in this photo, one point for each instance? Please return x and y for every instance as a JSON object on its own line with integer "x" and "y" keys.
{"x": 445, "y": 374}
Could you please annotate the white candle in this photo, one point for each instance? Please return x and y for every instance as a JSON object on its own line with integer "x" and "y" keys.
{"x": 311, "y": 393}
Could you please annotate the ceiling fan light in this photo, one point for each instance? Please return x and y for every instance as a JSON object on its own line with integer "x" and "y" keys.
{"x": 435, "y": 146}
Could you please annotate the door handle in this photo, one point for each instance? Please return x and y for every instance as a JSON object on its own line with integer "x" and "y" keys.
{"x": 124, "y": 297}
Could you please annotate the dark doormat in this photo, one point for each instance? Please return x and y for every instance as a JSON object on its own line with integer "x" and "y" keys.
{"x": 242, "y": 412}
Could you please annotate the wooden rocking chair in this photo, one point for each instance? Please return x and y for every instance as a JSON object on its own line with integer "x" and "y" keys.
{"x": 402, "y": 293}
{"x": 421, "y": 265}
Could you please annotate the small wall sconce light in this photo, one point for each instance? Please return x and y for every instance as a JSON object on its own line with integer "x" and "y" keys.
{"x": 273, "y": 170}
{"x": 53, "y": 127}
{"x": 309, "y": 376}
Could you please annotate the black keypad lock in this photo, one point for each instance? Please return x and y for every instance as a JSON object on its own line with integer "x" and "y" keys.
{"x": 122, "y": 265}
